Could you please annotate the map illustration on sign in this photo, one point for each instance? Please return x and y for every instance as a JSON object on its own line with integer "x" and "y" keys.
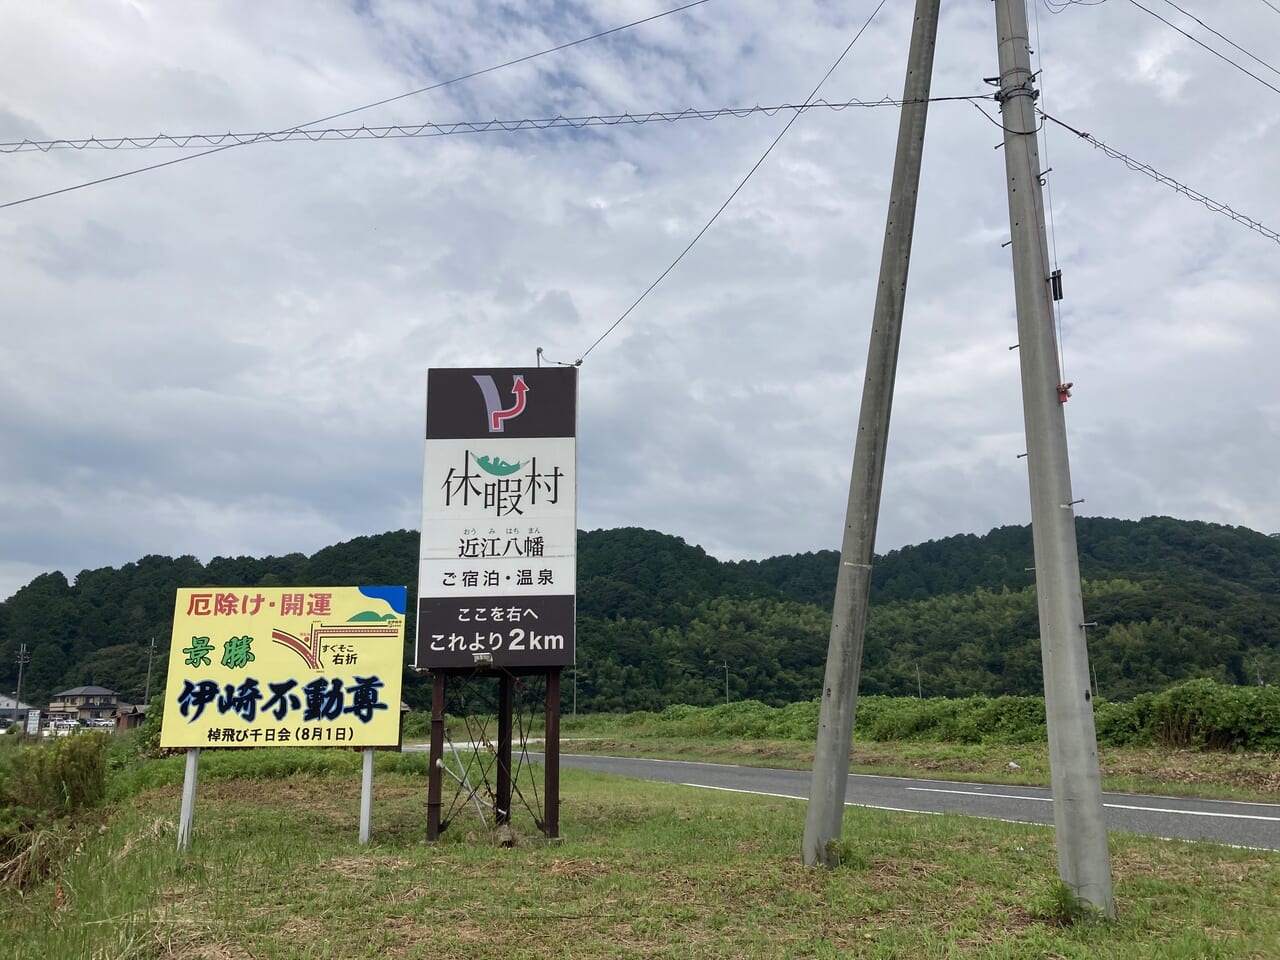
{"x": 310, "y": 646}
{"x": 498, "y": 416}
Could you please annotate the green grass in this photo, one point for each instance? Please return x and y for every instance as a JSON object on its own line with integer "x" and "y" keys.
{"x": 644, "y": 870}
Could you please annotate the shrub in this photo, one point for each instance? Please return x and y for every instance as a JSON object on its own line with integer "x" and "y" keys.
{"x": 1205, "y": 714}
{"x": 1124, "y": 723}
{"x": 41, "y": 787}
{"x": 416, "y": 725}
{"x": 56, "y": 779}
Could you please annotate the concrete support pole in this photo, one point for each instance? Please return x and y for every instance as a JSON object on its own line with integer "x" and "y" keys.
{"x": 366, "y": 795}
{"x": 187, "y": 812}
{"x": 1083, "y": 860}
{"x": 825, "y": 816}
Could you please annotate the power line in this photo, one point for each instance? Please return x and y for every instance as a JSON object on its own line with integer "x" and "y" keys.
{"x": 432, "y": 129}
{"x": 742, "y": 183}
{"x": 1071, "y": 3}
{"x": 1198, "y": 42}
{"x": 1225, "y": 39}
{"x": 1271, "y": 5}
{"x": 367, "y": 106}
{"x": 1138, "y": 166}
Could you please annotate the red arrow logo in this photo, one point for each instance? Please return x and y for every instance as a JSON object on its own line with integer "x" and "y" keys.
{"x": 519, "y": 388}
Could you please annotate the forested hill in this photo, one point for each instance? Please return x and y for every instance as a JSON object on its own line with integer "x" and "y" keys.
{"x": 1152, "y": 548}
{"x": 660, "y": 619}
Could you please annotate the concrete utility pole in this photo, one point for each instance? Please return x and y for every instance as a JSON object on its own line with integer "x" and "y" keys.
{"x": 1083, "y": 861}
{"x": 146, "y": 697}
{"x": 23, "y": 659}
{"x": 825, "y": 816}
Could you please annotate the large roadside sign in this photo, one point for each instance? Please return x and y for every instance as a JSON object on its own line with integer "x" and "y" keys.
{"x": 498, "y": 563}
{"x": 285, "y": 666}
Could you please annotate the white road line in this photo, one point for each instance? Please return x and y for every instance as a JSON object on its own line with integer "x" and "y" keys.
{"x": 754, "y": 793}
{"x": 939, "y": 813}
{"x": 866, "y": 806}
{"x": 975, "y": 793}
{"x": 688, "y": 763}
{"x": 1113, "y": 806}
{"x": 881, "y": 776}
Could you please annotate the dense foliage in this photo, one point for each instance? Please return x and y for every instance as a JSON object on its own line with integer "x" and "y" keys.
{"x": 43, "y": 788}
{"x": 1197, "y": 714}
{"x": 661, "y": 622}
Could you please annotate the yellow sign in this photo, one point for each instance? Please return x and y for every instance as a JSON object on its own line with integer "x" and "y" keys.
{"x": 285, "y": 666}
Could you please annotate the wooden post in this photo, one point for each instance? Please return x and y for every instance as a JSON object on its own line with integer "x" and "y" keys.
{"x": 551, "y": 758}
{"x": 502, "y": 799}
{"x": 436, "y": 773}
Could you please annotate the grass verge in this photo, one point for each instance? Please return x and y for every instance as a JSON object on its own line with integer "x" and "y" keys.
{"x": 644, "y": 870}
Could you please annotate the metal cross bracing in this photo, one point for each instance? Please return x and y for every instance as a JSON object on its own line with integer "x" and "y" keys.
{"x": 483, "y": 722}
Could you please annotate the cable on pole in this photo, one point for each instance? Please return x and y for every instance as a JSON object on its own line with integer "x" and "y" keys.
{"x": 367, "y": 106}
{"x": 742, "y": 183}
{"x": 452, "y": 128}
{"x": 1216, "y": 206}
{"x": 1221, "y": 56}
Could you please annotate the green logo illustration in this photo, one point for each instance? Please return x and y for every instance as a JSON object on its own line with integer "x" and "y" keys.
{"x": 496, "y": 466}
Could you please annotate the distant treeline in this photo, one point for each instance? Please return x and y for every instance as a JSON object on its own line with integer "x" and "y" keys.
{"x": 660, "y": 622}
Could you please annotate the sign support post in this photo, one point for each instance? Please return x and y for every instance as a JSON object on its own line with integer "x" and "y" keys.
{"x": 551, "y": 758}
{"x": 502, "y": 798}
{"x": 435, "y": 775}
{"x": 188, "y": 809}
{"x": 366, "y": 795}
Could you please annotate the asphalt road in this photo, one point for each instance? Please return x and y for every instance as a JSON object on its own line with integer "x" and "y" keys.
{"x": 1241, "y": 824}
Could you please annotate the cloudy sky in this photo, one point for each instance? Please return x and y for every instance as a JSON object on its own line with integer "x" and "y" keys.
{"x": 228, "y": 355}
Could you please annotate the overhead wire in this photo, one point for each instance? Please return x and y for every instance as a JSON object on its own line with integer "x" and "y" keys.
{"x": 432, "y": 129}
{"x": 1217, "y": 53}
{"x": 1058, "y": 8}
{"x": 1224, "y": 39}
{"x": 1208, "y": 202}
{"x": 742, "y": 183}
{"x": 1216, "y": 206}
{"x": 367, "y": 106}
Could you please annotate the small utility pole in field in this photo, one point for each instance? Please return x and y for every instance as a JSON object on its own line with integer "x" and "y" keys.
{"x": 146, "y": 697}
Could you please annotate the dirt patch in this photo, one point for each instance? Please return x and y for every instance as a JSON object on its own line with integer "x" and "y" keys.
{"x": 1248, "y": 771}
{"x": 366, "y": 867}
{"x": 577, "y": 869}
